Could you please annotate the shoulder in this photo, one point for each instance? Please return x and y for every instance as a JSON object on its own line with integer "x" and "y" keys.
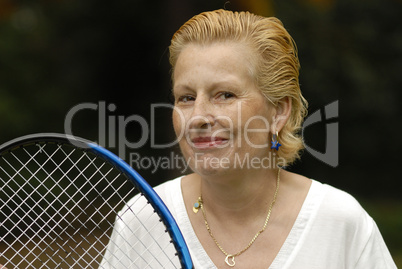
{"x": 341, "y": 205}
{"x": 168, "y": 186}
{"x": 350, "y": 226}
{"x": 339, "y": 214}
{"x": 138, "y": 205}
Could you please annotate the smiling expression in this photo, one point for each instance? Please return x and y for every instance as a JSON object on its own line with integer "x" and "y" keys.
{"x": 219, "y": 111}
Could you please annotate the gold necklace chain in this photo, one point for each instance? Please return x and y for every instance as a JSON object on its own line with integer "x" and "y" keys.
{"x": 230, "y": 258}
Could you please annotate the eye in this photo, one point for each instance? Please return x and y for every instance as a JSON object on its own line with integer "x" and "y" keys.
{"x": 185, "y": 99}
{"x": 225, "y": 95}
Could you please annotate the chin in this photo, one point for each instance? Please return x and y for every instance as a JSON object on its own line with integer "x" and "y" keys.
{"x": 217, "y": 161}
{"x": 209, "y": 171}
{"x": 210, "y": 165}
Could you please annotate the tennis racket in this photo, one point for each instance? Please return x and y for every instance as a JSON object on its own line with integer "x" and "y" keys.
{"x": 68, "y": 203}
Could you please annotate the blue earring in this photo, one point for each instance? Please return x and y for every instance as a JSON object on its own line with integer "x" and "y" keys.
{"x": 274, "y": 143}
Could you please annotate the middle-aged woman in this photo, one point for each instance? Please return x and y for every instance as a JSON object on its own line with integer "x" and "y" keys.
{"x": 238, "y": 110}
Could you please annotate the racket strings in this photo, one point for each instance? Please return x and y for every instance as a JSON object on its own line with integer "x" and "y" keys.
{"x": 48, "y": 192}
{"x": 58, "y": 207}
{"x": 73, "y": 215}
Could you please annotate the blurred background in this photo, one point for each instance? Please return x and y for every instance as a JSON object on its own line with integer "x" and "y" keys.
{"x": 57, "y": 55}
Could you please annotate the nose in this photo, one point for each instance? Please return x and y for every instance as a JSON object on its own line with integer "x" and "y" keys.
{"x": 202, "y": 114}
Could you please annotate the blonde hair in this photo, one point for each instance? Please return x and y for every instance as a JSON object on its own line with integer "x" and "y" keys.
{"x": 276, "y": 72}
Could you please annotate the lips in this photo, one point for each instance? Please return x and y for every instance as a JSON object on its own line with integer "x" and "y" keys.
{"x": 207, "y": 142}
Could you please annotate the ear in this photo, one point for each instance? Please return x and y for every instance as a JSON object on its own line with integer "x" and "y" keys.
{"x": 281, "y": 115}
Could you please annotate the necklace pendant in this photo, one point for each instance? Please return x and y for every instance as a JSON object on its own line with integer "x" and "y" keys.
{"x": 197, "y": 205}
{"x": 230, "y": 260}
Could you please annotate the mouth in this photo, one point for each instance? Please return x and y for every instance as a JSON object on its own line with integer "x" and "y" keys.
{"x": 208, "y": 142}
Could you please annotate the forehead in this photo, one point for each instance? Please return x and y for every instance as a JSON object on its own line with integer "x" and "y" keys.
{"x": 216, "y": 58}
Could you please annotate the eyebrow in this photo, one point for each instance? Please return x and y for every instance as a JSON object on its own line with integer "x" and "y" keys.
{"x": 218, "y": 84}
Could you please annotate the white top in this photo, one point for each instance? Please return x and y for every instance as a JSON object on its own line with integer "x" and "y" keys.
{"x": 332, "y": 230}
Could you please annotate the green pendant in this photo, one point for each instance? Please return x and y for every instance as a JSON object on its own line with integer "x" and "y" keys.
{"x": 197, "y": 205}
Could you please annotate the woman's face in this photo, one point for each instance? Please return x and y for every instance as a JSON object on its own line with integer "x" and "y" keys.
{"x": 221, "y": 118}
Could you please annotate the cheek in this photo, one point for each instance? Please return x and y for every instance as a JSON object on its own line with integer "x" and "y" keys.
{"x": 255, "y": 126}
{"x": 179, "y": 123}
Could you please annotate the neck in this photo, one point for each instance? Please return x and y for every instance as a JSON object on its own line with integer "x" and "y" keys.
{"x": 239, "y": 195}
